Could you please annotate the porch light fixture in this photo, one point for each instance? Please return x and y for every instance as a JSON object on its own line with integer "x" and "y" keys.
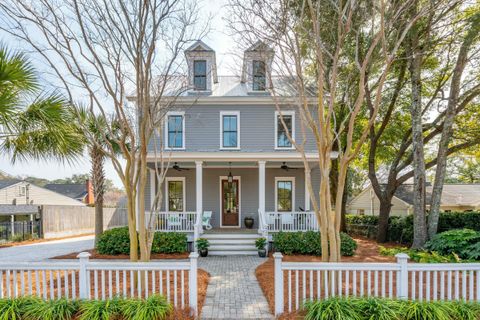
{"x": 230, "y": 177}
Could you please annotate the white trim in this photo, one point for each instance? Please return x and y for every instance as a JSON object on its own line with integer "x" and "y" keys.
{"x": 230, "y": 113}
{"x": 292, "y": 179}
{"x": 199, "y": 187}
{"x": 195, "y": 100}
{"x": 152, "y": 188}
{"x": 261, "y": 185}
{"x": 175, "y": 113}
{"x": 240, "y": 156}
{"x": 167, "y": 180}
{"x": 307, "y": 193}
{"x": 277, "y": 115}
{"x": 239, "y": 201}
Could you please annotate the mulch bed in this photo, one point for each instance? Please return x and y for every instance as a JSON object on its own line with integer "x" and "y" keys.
{"x": 96, "y": 255}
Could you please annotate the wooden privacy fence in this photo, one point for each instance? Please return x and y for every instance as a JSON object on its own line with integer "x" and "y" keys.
{"x": 84, "y": 279}
{"x": 299, "y": 282}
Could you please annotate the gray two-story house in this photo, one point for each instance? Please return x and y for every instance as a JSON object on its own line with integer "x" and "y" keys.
{"x": 230, "y": 155}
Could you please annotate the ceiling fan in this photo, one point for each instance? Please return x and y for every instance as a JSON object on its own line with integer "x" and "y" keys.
{"x": 178, "y": 168}
{"x": 286, "y": 168}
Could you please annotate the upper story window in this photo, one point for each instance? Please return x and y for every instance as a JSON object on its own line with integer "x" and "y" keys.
{"x": 284, "y": 194}
{"x": 281, "y": 136}
{"x": 200, "y": 74}
{"x": 259, "y": 79}
{"x": 230, "y": 130}
{"x": 175, "y": 134}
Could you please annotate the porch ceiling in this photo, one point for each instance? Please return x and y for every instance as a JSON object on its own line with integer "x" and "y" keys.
{"x": 237, "y": 164}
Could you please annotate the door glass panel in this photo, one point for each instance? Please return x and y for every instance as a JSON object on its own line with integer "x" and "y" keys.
{"x": 230, "y": 204}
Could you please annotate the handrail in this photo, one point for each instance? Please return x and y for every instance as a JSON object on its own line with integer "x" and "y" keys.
{"x": 291, "y": 221}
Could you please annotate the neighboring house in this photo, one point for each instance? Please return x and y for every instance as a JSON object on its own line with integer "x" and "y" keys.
{"x": 230, "y": 154}
{"x": 82, "y": 192}
{"x": 17, "y": 192}
{"x": 455, "y": 197}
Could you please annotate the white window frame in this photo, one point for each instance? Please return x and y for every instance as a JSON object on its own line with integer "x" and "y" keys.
{"x": 167, "y": 200}
{"x": 229, "y": 113}
{"x": 292, "y": 179}
{"x": 277, "y": 117}
{"x": 175, "y": 113}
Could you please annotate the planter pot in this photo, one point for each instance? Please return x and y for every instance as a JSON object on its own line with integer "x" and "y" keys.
{"x": 262, "y": 253}
{"x": 203, "y": 252}
{"x": 249, "y": 223}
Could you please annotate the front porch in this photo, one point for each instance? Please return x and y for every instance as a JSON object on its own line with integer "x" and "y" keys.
{"x": 273, "y": 193}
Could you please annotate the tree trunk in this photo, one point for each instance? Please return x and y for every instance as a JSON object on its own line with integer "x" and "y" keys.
{"x": 98, "y": 182}
{"x": 415, "y": 65}
{"x": 383, "y": 216}
{"x": 448, "y": 127}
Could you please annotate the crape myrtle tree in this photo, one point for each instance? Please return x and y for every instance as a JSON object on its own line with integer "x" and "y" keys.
{"x": 102, "y": 52}
{"x": 443, "y": 87}
{"x": 321, "y": 46}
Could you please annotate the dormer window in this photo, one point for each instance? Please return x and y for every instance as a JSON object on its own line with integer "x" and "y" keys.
{"x": 200, "y": 74}
{"x": 259, "y": 79}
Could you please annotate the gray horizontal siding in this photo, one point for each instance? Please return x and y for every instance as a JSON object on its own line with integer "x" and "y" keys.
{"x": 257, "y": 128}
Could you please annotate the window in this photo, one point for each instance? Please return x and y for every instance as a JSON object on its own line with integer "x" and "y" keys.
{"x": 285, "y": 194}
{"x": 200, "y": 74}
{"x": 21, "y": 191}
{"x": 259, "y": 78}
{"x": 230, "y": 130}
{"x": 175, "y": 134}
{"x": 176, "y": 194}
{"x": 361, "y": 212}
{"x": 281, "y": 137}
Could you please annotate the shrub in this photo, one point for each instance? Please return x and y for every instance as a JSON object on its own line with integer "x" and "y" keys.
{"x": 154, "y": 307}
{"x": 100, "y": 309}
{"x": 114, "y": 241}
{"x": 463, "y": 242}
{"x": 309, "y": 243}
{"x": 61, "y": 309}
{"x": 169, "y": 242}
{"x": 388, "y": 309}
{"x": 117, "y": 241}
{"x": 12, "y": 309}
{"x": 421, "y": 256}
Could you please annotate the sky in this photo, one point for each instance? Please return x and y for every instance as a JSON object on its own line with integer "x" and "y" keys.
{"x": 218, "y": 39}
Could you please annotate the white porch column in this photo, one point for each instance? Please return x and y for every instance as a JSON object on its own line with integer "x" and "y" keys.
{"x": 261, "y": 186}
{"x": 199, "y": 200}
{"x": 153, "y": 193}
{"x": 307, "y": 193}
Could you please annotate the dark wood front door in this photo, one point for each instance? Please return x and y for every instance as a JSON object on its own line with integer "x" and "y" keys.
{"x": 230, "y": 203}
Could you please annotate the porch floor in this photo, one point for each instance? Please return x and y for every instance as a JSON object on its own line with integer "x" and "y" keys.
{"x": 231, "y": 230}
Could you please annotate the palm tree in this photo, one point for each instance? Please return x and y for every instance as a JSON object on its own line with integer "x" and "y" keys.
{"x": 33, "y": 125}
{"x": 91, "y": 126}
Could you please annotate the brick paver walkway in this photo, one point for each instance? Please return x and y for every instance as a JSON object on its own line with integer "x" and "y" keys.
{"x": 233, "y": 291}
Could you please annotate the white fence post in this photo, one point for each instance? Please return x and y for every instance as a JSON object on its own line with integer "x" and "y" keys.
{"x": 402, "y": 278}
{"x": 192, "y": 283}
{"x": 278, "y": 274}
{"x": 83, "y": 284}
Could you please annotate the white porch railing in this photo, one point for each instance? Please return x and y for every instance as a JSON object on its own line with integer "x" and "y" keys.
{"x": 291, "y": 221}
{"x": 85, "y": 279}
{"x": 175, "y": 221}
{"x": 307, "y": 281}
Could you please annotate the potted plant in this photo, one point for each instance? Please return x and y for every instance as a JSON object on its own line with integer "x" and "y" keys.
{"x": 260, "y": 243}
{"x": 202, "y": 246}
{"x": 249, "y": 221}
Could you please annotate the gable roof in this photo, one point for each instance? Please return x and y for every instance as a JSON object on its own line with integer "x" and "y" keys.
{"x": 71, "y": 190}
{"x": 8, "y": 182}
{"x": 199, "y": 45}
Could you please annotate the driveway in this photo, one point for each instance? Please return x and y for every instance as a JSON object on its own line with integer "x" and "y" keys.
{"x": 44, "y": 250}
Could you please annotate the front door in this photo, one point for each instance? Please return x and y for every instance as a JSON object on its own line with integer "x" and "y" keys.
{"x": 230, "y": 203}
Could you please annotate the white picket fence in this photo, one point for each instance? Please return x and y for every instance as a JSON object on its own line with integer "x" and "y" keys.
{"x": 85, "y": 279}
{"x": 299, "y": 282}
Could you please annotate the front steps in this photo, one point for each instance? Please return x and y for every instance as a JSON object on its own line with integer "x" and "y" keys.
{"x": 231, "y": 243}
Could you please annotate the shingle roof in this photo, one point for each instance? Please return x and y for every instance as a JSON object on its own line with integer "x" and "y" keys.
{"x": 452, "y": 194}
{"x": 8, "y": 182}
{"x": 9, "y": 209}
{"x": 72, "y": 190}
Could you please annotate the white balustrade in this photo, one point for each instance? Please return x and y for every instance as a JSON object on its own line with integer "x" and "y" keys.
{"x": 175, "y": 221}
{"x": 291, "y": 221}
{"x": 307, "y": 281}
{"x": 86, "y": 279}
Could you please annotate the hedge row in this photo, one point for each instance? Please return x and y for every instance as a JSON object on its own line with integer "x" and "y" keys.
{"x": 117, "y": 241}
{"x": 386, "y": 309}
{"x": 309, "y": 243}
{"x": 400, "y": 229}
{"x": 32, "y": 308}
